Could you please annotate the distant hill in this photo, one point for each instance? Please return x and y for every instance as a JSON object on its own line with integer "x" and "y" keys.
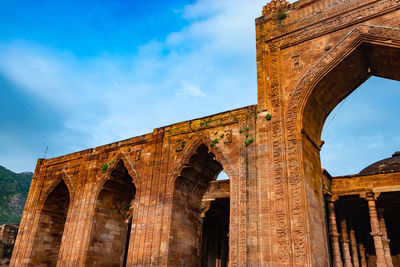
{"x": 14, "y": 189}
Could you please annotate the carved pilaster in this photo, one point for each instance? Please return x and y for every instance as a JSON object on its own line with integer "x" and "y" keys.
{"x": 333, "y": 232}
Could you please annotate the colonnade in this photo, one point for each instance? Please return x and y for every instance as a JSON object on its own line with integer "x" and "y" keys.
{"x": 348, "y": 231}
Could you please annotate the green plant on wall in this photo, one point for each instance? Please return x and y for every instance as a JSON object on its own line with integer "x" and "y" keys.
{"x": 183, "y": 143}
{"x": 214, "y": 142}
{"x": 104, "y": 167}
{"x": 204, "y": 123}
{"x": 247, "y": 142}
{"x": 282, "y": 15}
{"x": 268, "y": 117}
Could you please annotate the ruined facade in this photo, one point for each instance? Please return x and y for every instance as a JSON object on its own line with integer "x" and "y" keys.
{"x": 153, "y": 200}
{"x": 8, "y": 234}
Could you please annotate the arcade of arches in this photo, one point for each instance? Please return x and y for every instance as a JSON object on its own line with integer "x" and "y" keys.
{"x": 154, "y": 200}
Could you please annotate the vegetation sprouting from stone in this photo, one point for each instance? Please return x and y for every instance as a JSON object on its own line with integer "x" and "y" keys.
{"x": 104, "y": 167}
{"x": 214, "y": 142}
{"x": 282, "y": 15}
{"x": 247, "y": 142}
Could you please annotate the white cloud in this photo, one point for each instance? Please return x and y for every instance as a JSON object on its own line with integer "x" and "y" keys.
{"x": 113, "y": 97}
{"x": 188, "y": 89}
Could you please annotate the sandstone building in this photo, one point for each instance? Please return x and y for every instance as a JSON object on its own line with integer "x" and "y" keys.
{"x": 152, "y": 200}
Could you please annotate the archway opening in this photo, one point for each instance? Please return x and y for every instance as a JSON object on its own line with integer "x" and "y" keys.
{"x": 215, "y": 240}
{"x": 222, "y": 176}
{"x": 368, "y": 59}
{"x": 47, "y": 242}
{"x": 110, "y": 234}
{"x": 195, "y": 214}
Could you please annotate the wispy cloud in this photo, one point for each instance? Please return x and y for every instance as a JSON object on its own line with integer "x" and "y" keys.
{"x": 210, "y": 62}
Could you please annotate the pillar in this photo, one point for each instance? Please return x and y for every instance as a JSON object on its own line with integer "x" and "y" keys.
{"x": 375, "y": 230}
{"x": 363, "y": 259}
{"x": 333, "y": 232}
{"x": 385, "y": 239}
{"x": 353, "y": 242}
{"x": 345, "y": 244}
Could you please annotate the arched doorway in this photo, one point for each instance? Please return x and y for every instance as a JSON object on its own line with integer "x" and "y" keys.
{"x": 215, "y": 239}
{"x": 326, "y": 86}
{"x": 47, "y": 242}
{"x": 199, "y": 227}
{"x": 112, "y": 220}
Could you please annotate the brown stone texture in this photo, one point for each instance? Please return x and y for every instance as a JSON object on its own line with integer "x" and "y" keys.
{"x": 152, "y": 200}
{"x": 8, "y": 234}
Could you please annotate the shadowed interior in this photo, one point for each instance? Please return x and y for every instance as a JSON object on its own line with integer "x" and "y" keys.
{"x": 52, "y": 219}
{"x": 186, "y": 224}
{"x": 110, "y": 232}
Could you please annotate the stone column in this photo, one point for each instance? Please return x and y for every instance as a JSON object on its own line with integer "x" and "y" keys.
{"x": 385, "y": 239}
{"x": 375, "y": 230}
{"x": 362, "y": 255}
{"x": 354, "y": 246}
{"x": 345, "y": 244}
{"x": 333, "y": 232}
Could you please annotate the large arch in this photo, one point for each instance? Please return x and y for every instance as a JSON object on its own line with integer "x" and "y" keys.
{"x": 112, "y": 219}
{"x": 367, "y": 50}
{"x": 51, "y": 224}
{"x": 186, "y": 232}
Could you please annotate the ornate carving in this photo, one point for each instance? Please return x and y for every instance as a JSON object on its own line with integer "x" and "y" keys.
{"x": 178, "y": 145}
{"x": 297, "y": 64}
{"x": 228, "y": 136}
{"x": 299, "y": 97}
{"x": 281, "y": 212}
{"x": 335, "y": 22}
{"x": 138, "y": 152}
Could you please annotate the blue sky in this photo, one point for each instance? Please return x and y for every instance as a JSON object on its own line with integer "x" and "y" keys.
{"x": 79, "y": 74}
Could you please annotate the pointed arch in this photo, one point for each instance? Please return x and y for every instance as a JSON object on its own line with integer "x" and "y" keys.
{"x": 62, "y": 176}
{"x": 365, "y": 51}
{"x": 51, "y": 224}
{"x": 114, "y": 203}
{"x": 189, "y": 150}
{"x": 121, "y": 156}
{"x": 380, "y": 35}
{"x": 199, "y": 165}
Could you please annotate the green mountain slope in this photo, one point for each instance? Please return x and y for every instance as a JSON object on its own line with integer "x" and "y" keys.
{"x": 14, "y": 189}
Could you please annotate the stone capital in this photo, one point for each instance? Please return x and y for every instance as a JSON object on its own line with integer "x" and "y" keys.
{"x": 331, "y": 197}
{"x": 376, "y": 234}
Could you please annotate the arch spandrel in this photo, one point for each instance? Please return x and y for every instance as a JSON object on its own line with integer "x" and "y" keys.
{"x": 133, "y": 173}
{"x": 54, "y": 182}
{"x": 302, "y": 154}
{"x": 362, "y": 33}
{"x": 226, "y": 163}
